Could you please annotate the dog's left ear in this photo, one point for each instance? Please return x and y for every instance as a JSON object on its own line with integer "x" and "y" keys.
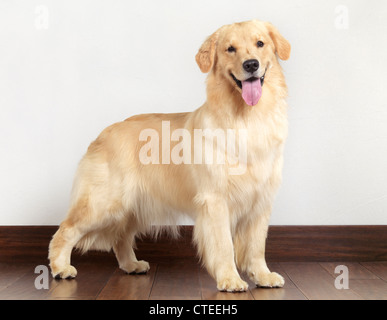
{"x": 282, "y": 46}
{"x": 206, "y": 55}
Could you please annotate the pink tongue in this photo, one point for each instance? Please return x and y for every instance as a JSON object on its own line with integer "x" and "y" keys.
{"x": 251, "y": 91}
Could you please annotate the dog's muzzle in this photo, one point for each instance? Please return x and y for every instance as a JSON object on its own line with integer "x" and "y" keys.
{"x": 251, "y": 88}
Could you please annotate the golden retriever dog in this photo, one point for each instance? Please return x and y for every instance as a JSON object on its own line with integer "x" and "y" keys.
{"x": 220, "y": 165}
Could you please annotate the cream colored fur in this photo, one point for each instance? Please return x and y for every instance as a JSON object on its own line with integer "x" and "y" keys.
{"x": 116, "y": 197}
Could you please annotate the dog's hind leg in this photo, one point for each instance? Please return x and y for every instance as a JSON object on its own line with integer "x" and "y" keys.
{"x": 60, "y": 249}
{"x": 79, "y": 222}
{"x": 123, "y": 249}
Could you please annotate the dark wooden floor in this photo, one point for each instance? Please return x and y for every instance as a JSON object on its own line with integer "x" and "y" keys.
{"x": 100, "y": 278}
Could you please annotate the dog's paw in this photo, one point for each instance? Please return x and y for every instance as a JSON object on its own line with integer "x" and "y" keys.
{"x": 136, "y": 267}
{"x": 269, "y": 280}
{"x": 234, "y": 284}
{"x": 66, "y": 272}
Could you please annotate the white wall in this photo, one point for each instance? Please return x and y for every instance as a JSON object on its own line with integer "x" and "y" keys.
{"x": 99, "y": 62}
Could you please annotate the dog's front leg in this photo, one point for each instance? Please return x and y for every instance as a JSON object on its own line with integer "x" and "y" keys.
{"x": 250, "y": 242}
{"x": 214, "y": 241}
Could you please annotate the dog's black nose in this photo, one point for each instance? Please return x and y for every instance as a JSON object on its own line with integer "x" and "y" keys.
{"x": 251, "y": 65}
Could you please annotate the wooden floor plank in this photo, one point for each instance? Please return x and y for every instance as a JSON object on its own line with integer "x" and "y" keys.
{"x": 91, "y": 279}
{"x": 122, "y": 286}
{"x": 378, "y": 268}
{"x": 355, "y": 270}
{"x": 100, "y": 278}
{"x": 370, "y": 289}
{"x": 9, "y": 273}
{"x": 277, "y": 294}
{"x": 24, "y": 287}
{"x": 176, "y": 280}
{"x": 177, "y": 266}
{"x": 315, "y": 282}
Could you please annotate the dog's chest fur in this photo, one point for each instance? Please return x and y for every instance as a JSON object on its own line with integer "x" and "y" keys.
{"x": 266, "y": 134}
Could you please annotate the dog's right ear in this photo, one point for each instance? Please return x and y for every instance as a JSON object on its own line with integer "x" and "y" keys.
{"x": 206, "y": 55}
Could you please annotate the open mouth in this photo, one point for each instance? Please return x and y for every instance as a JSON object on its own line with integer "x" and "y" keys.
{"x": 251, "y": 88}
{"x": 252, "y": 79}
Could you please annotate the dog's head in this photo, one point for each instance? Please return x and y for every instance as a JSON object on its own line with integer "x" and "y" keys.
{"x": 242, "y": 54}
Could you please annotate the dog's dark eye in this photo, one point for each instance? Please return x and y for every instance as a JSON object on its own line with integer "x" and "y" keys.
{"x": 231, "y": 49}
{"x": 260, "y": 44}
